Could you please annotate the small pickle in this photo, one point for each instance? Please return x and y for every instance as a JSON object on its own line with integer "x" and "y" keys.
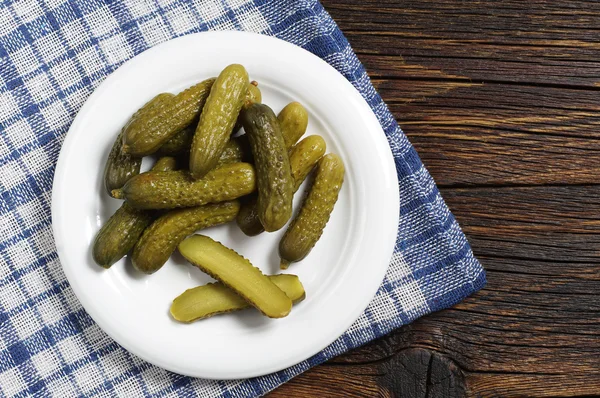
{"x": 166, "y": 163}
{"x": 252, "y": 96}
{"x": 119, "y": 234}
{"x": 121, "y": 166}
{"x": 306, "y": 229}
{"x": 144, "y": 135}
{"x": 215, "y": 298}
{"x": 303, "y": 158}
{"x": 237, "y": 273}
{"x": 233, "y": 152}
{"x": 122, "y": 230}
{"x": 274, "y": 178}
{"x": 168, "y": 190}
{"x": 179, "y": 143}
{"x": 217, "y": 119}
{"x": 293, "y": 120}
{"x": 182, "y": 141}
{"x": 161, "y": 238}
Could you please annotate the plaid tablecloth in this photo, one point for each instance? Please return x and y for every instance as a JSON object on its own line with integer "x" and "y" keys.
{"x": 53, "y": 54}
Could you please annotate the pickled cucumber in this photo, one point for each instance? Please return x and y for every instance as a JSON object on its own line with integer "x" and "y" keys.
{"x": 237, "y": 273}
{"x": 119, "y": 234}
{"x": 217, "y": 119}
{"x": 274, "y": 178}
{"x": 179, "y": 143}
{"x": 303, "y": 158}
{"x": 171, "y": 189}
{"x": 306, "y": 229}
{"x": 234, "y": 152}
{"x": 293, "y": 120}
{"x": 147, "y": 133}
{"x": 182, "y": 141}
{"x": 166, "y": 163}
{"x": 122, "y": 230}
{"x": 121, "y": 166}
{"x": 161, "y": 238}
{"x": 247, "y": 218}
{"x": 253, "y": 95}
{"x": 216, "y": 298}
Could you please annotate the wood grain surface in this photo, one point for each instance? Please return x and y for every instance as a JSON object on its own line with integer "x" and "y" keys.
{"x": 502, "y": 101}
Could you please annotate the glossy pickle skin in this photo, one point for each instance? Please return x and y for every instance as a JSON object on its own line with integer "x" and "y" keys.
{"x": 303, "y": 158}
{"x": 217, "y": 119}
{"x": 237, "y": 273}
{"x": 119, "y": 234}
{"x": 123, "y": 229}
{"x": 145, "y": 135}
{"x": 121, "y": 166}
{"x": 215, "y": 298}
{"x": 293, "y": 120}
{"x": 172, "y": 189}
{"x": 274, "y": 177}
{"x": 161, "y": 238}
{"x": 166, "y": 163}
{"x": 253, "y": 96}
{"x": 306, "y": 229}
{"x": 182, "y": 141}
{"x": 179, "y": 143}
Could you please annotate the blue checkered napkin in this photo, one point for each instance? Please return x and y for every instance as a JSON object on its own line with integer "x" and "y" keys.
{"x": 53, "y": 54}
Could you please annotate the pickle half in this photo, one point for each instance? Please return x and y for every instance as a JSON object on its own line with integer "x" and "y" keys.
{"x": 237, "y": 273}
{"x": 215, "y": 298}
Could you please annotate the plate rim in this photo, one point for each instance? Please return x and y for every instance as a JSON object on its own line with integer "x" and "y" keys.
{"x": 58, "y": 194}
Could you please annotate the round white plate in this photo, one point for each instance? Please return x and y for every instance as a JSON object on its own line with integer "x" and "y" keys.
{"x": 342, "y": 273}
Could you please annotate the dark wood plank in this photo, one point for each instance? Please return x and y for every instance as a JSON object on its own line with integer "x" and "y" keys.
{"x": 501, "y": 99}
{"x": 495, "y": 134}
{"x": 513, "y": 41}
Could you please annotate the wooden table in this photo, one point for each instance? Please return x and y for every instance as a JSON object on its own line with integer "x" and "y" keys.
{"x": 502, "y": 101}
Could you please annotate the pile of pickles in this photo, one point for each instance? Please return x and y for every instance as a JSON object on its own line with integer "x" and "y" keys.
{"x": 209, "y": 172}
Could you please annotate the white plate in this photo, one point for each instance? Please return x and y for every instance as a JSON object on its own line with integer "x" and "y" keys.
{"x": 341, "y": 275}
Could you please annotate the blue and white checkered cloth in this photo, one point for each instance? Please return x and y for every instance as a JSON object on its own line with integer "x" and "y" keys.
{"x": 53, "y": 54}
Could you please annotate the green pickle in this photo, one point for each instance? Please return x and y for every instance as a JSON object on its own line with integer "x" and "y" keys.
{"x": 144, "y": 135}
{"x": 179, "y": 143}
{"x": 166, "y": 163}
{"x": 303, "y": 158}
{"x": 121, "y": 166}
{"x": 161, "y": 238}
{"x": 215, "y": 298}
{"x": 182, "y": 141}
{"x": 172, "y": 189}
{"x": 217, "y": 119}
{"x": 274, "y": 178}
{"x": 237, "y": 273}
{"x": 119, "y": 234}
{"x": 252, "y": 96}
{"x": 293, "y": 120}
{"x": 123, "y": 229}
{"x": 306, "y": 229}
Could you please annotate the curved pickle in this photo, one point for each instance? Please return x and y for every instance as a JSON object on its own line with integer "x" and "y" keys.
{"x": 161, "y": 238}
{"x": 172, "y": 189}
{"x": 237, "y": 273}
{"x": 303, "y": 158}
{"x": 145, "y": 135}
{"x": 215, "y": 298}
{"x": 273, "y": 173}
{"x": 306, "y": 229}
{"x": 123, "y": 229}
{"x": 121, "y": 166}
{"x": 217, "y": 119}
